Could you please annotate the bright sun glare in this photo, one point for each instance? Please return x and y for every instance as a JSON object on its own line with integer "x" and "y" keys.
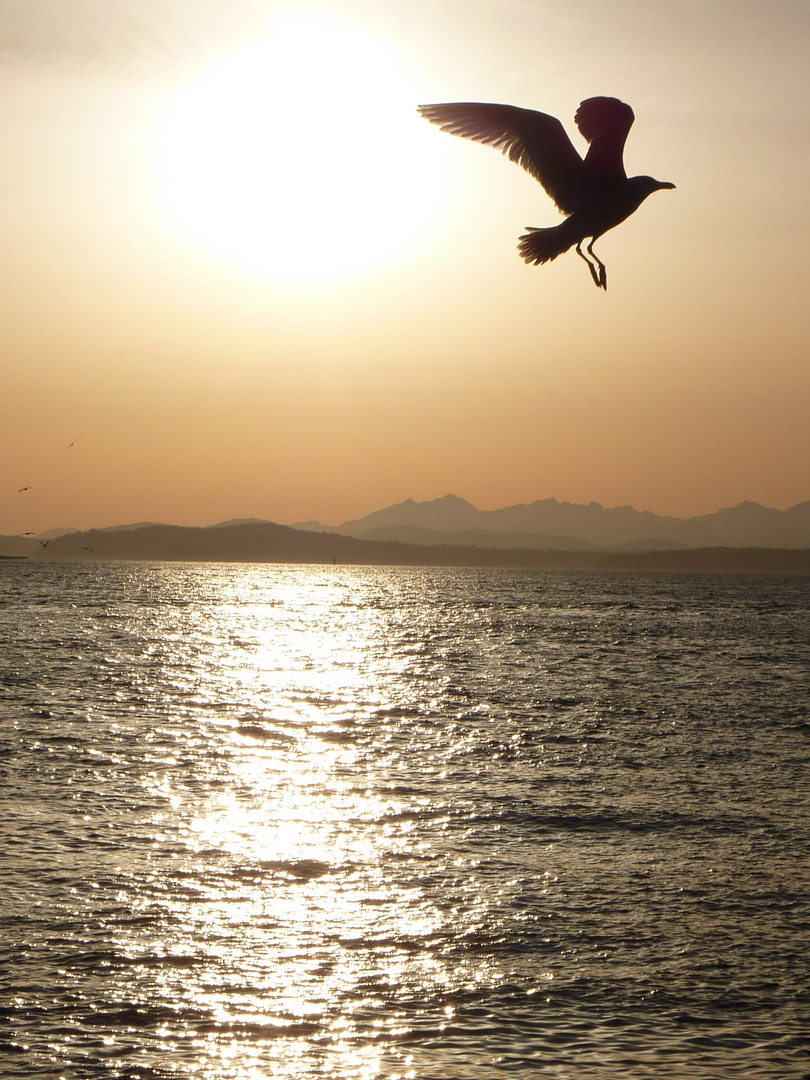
{"x": 300, "y": 157}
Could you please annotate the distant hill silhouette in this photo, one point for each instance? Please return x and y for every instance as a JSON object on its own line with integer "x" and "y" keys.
{"x": 241, "y": 521}
{"x": 485, "y": 538}
{"x": 451, "y": 532}
{"x": 265, "y": 542}
{"x": 133, "y": 525}
{"x": 566, "y": 525}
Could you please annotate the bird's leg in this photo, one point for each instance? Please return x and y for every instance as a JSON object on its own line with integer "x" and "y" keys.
{"x": 591, "y": 267}
{"x": 602, "y": 282}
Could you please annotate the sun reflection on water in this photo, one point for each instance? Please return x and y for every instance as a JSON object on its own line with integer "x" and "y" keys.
{"x": 282, "y": 903}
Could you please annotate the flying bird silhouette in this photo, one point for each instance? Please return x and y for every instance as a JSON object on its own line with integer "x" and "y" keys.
{"x": 71, "y": 444}
{"x": 595, "y": 192}
{"x": 23, "y": 489}
{"x": 43, "y": 542}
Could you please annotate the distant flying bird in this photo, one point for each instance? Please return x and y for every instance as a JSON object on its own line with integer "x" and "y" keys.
{"x": 87, "y": 549}
{"x": 71, "y": 444}
{"x": 27, "y": 534}
{"x": 595, "y": 193}
{"x": 23, "y": 489}
{"x": 43, "y": 542}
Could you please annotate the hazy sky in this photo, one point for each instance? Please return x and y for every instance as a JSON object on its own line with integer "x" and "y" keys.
{"x": 249, "y": 281}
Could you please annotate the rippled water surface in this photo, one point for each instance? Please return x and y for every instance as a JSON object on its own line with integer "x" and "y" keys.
{"x": 284, "y": 821}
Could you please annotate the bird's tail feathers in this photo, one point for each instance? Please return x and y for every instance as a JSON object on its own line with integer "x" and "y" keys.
{"x": 543, "y": 245}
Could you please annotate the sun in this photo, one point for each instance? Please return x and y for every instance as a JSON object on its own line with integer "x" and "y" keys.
{"x": 299, "y": 157}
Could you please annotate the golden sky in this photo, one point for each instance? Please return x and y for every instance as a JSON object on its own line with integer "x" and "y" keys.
{"x": 249, "y": 281}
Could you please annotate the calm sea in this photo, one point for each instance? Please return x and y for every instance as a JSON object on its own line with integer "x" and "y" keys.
{"x": 285, "y": 821}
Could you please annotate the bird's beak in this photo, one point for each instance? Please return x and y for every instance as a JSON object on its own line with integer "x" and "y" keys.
{"x": 665, "y": 184}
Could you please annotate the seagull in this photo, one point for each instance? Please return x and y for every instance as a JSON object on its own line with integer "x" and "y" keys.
{"x": 43, "y": 542}
{"x": 23, "y": 489}
{"x": 71, "y": 444}
{"x": 87, "y": 549}
{"x": 595, "y": 192}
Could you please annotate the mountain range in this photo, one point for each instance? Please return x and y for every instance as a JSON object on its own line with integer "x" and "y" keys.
{"x": 451, "y": 532}
{"x": 548, "y": 524}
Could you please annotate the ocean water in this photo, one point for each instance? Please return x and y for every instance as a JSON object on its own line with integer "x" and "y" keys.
{"x": 285, "y": 821}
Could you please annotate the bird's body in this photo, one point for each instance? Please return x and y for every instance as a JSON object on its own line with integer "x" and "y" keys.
{"x": 595, "y": 192}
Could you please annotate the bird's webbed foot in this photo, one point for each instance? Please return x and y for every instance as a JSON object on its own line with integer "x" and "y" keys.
{"x": 597, "y": 267}
{"x": 602, "y": 283}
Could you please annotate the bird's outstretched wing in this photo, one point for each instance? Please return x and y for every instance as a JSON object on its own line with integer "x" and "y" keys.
{"x": 605, "y": 122}
{"x": 534, "y": 140}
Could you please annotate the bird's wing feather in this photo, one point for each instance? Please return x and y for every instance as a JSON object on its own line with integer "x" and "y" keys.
{"x": 605, "y": 123}
{"x": 532, "y": 139}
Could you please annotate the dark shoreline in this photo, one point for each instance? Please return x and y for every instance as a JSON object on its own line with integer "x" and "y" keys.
{"x": 271, "y": 543}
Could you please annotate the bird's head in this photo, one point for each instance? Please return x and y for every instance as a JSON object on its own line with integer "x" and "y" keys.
{"x": 646, "y": 185}
{"x": 639, "y": 187}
